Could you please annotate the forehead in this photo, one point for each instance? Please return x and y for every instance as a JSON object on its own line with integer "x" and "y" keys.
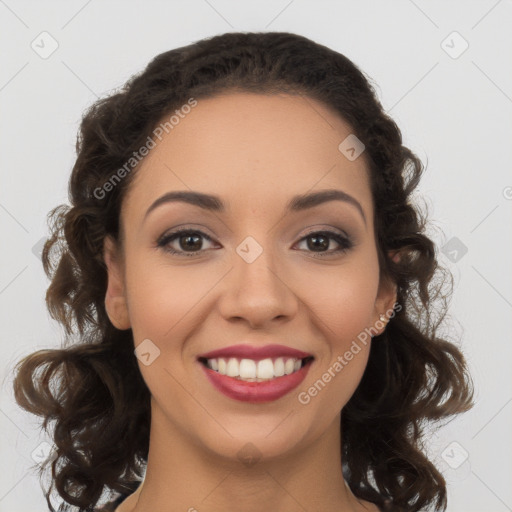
{"x": 246, "y": 145}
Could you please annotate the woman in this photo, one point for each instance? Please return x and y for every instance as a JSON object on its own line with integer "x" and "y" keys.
{"x": 253, "y": 297}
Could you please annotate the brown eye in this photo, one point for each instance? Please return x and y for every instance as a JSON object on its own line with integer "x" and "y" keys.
{"x": 186, "y": 242}
{"x": 319, "y": 242}
{"x": 190, "y": 242}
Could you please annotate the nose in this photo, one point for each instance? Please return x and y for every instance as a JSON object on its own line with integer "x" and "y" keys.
{"x": 257, "y": 292}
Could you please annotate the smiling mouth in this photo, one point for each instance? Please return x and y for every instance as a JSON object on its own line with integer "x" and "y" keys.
{"x": 251, "y": 370}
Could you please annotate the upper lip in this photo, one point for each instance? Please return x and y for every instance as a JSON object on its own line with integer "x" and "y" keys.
{"x": 256, "y": 353}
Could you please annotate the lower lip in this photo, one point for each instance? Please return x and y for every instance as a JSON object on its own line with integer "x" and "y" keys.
{"x": 256, "y": 392}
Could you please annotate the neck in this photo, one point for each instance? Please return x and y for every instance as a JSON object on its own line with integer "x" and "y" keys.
{"x": 184, "y": 476}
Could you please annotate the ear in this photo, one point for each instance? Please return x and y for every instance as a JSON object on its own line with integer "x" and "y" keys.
{"x": 385, "y": 301}
{"x": 115, "y": 297}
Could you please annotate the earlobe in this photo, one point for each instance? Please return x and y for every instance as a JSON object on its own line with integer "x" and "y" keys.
{"x": 384, "y": 304}
{"x": 395, "y": 256}
{"x": 115, "y": 296}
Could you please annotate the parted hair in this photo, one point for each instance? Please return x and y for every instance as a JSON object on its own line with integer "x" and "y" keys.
{"x": 90, "y": 393}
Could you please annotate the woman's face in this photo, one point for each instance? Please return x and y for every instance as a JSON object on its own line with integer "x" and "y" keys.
{"x": 263, "y": 266}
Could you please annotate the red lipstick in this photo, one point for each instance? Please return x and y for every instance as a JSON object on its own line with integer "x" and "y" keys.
{"x": 256, "y": 392}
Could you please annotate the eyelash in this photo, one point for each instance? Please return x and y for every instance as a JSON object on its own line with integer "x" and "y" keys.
{"x": 344, "y": 241}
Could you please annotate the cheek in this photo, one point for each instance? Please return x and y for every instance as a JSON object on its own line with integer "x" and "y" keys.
{"x": 165, "y": 300}
{"x": 342, "y": 299}
{"x": 340, "y": 319}
{"x": 342, "y": 304}
{"x": 165, "y": 306}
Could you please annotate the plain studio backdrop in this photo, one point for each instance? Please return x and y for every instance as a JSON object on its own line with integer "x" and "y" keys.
{"x": 442, "y": 71}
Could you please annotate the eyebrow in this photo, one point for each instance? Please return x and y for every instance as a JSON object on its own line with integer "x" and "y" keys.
{"x": 296, "y": 204}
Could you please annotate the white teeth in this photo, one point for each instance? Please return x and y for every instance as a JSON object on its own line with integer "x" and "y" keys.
{"x": 255, "y": 371}
{"x": 265, "y": 369}
{"x": 279, "y": 367}
{"x": 233, "y": 368}
{"x": 288, "y": 366}
{"x": 247, "y": 369}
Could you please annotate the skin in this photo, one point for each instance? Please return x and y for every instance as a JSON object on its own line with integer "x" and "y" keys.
{"x": 255, "y": 152}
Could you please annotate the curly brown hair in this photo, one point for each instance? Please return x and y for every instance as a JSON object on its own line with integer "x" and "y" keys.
{"x": 92, "y": 388}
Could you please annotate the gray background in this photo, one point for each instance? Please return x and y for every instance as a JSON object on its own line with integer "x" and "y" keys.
{"x": 454, "y": 111}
